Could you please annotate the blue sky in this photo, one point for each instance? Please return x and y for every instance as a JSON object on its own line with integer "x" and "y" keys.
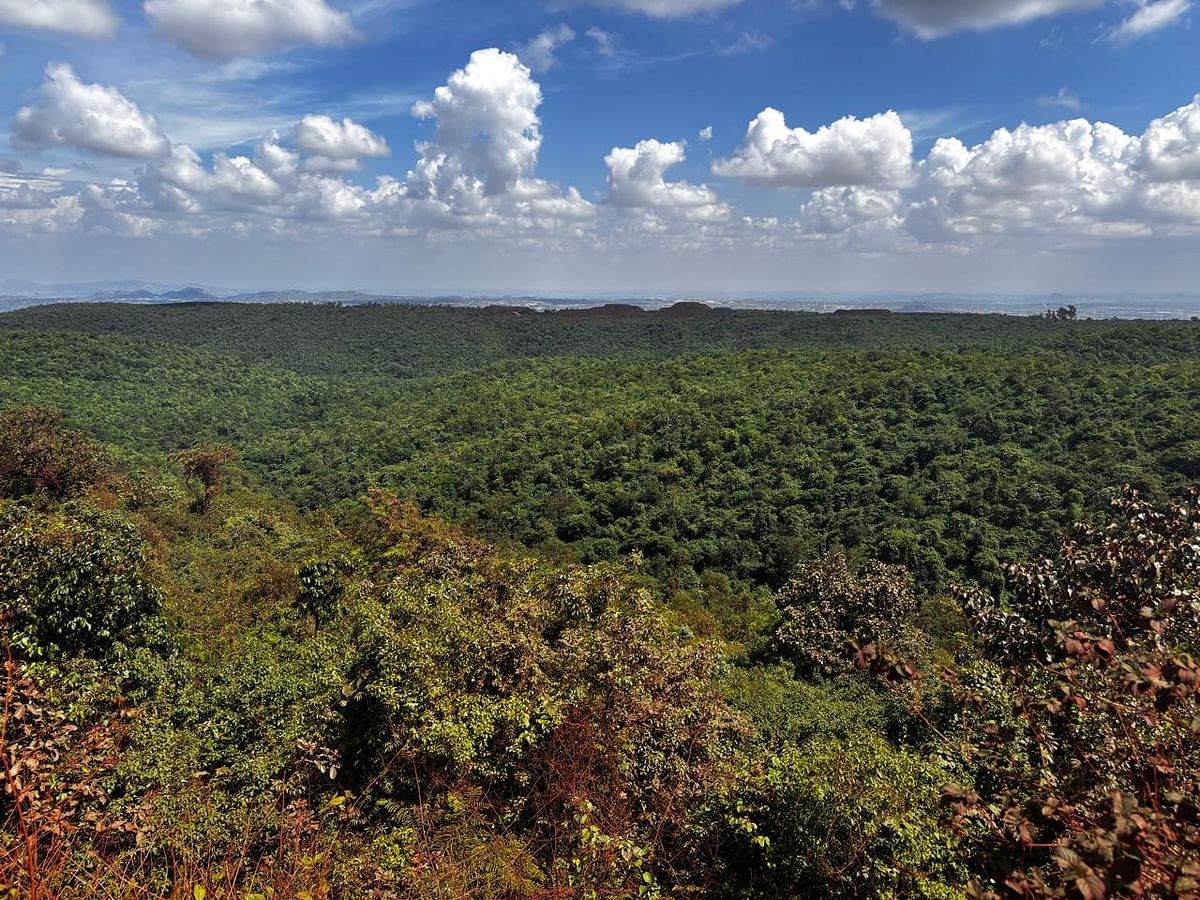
{"x": 531, "y": 145}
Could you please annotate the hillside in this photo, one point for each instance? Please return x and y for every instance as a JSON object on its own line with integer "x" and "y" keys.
{"x": 210, "y": 693}
{"x": 402, "y": 341}
{"x": 747, "y": 606}
{"x": 723, "y": 469}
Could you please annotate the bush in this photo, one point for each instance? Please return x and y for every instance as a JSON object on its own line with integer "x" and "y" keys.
{"x": 1086, "y": 740}
{"x": 576, "y": 707}
{"x": 72, "y": 580}
{"x": 39, "y": 456}
{"x": 850, "y": 818}
{"x": 828, "y": 606}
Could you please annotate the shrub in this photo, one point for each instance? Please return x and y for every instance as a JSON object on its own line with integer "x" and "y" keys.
{"x": 72, "y": 580}
{"x": 829, "y": 606}
{"x": 39, "y": 456}
{"x": 559, "y": 694}
{"x": 849, "y": 818}
{"x": 1087, "y": 743}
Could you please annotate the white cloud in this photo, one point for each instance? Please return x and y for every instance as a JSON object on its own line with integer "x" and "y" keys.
{"x": 92, "y": 117}
{"x": 1026, "y": 191}
{"x": 222, "y": 29}
{"x": 475, "y": 177}
{"x": 182, "y": 182}
{"x": 637, "y": 180}
{"x": 345, "y": 142}
{"x": 494, "y": 97}
{"x": 1150, "y": 17}
{"x": 605, "y": 41}
{"x": 58, "y": 214}
{"x": 539, "y": 53}
{"x": 86, "y": 18}
{"x": 706, "y": 134}
{"x": 1064, "y": 99}
{"x": 666, "y": 9}
{"x": 873, "y": 151}
{"x": 1171, "y": 145}
{"x": 748, "y": 42}
{"x": 1068, "y": 176}
{"x": 279, "y": 162}
{"x": 838, "y": 210}
{"x": 936, "y": 18}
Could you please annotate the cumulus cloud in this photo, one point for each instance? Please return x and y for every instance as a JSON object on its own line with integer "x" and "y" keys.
{"x": 222, "y": 29}
{"x": 337, "y": 146}
{"x": 637, "y": 179}
{"x": 1067, "y": 180}
{"x": 839, "y": 210}
{"x": 851, "y": 151}
{"x": 1171, "y": 145}
{"x": 86, "y": 18}
{"x": 477, "y": 176}
{"x": 1072, "y": 175}
{"x": 1150, "y": 17}
{"x": 233, "y": 181}
{"x": 268, "y": 188}
{"x": 935, "y": 18}
{"x": 494, "y": 96}
{"x": 92, "y": 117}
{"x": 56, "y": 215}
{"x": 857, "y": 186}
{"x": 279, "y": 162}
{"x": 540, "y": 53}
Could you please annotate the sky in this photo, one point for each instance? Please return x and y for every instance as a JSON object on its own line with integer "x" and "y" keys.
{"x": 610, "y": 146}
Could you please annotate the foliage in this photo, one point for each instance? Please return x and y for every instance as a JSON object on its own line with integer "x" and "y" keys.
{"x": 322, "y": 584}
{"x": 853, "y": 817}
{"x": 206, "y": 464}
{"x": 617, "y": 666}
{"x": 788, "y": 711}
{"x": 72, "y": 580}
{"x": 1085, "y": 746}
{"x": 406, "y": 341}
{"x": 38, "y": 456}
{"x": 949, "y": 464}
{"x": 828, "y": 605}
{"x": 563, "y": 695}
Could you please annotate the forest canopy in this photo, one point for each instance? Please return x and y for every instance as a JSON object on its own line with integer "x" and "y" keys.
{"x": 393, "y": 602}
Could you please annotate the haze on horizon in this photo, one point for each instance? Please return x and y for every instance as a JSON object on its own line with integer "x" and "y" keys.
{"x": 640, "y": 146}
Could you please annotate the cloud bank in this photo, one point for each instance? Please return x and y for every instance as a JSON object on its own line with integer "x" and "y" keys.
{"x": 851, "y": 186}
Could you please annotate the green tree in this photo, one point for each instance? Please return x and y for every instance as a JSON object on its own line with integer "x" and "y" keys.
{"x": 72, "y": 580}
{"x": 207, "y": 465}
{"x": 39, "y": 456}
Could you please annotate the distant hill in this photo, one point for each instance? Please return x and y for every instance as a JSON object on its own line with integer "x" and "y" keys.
{"x": 607, "y": 311}
{"x": 187, "y": 294}
{"x": 405, "y": 340}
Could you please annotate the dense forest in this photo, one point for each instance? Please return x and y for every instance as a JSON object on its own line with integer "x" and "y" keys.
{"x": 398, "y": 601}
{"x": 952, "y": 445}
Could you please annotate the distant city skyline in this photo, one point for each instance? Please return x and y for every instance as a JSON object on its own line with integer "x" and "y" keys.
{"x": 603, "y": 146}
